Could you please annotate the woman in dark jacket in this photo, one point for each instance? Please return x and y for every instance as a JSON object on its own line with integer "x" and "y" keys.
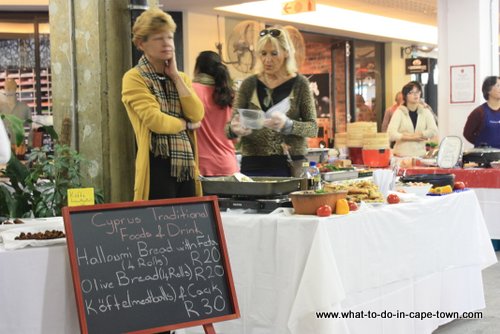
{"x": 483, "y": 124}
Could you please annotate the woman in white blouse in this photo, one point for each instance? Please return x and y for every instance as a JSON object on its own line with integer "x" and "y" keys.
{"x": 4, "y": 144}
{"x": 412, "y": 124}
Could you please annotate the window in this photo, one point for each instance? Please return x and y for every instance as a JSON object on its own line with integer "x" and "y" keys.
{"x": 25, "y": 58}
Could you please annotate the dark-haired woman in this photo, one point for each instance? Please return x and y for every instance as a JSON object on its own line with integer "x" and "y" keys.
{"x": 213, "y": 85}
{"x": 483, "y": 124}
{"x": 412, "y": 124}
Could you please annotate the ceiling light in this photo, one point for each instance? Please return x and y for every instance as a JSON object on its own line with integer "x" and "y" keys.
{"x": 340, "y": 19}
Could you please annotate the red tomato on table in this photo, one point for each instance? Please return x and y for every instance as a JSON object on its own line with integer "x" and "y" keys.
{"x": 324, "y": 211}
{"x": 393, "y": 199}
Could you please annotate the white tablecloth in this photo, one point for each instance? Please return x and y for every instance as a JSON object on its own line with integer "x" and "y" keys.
{"x": 424, "y": 256}
{"x": 489, "y": 200}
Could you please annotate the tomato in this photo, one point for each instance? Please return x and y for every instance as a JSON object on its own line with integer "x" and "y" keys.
{"x": 353, "y": 206}
{"x": 459, "y": 185}
{"x": 324, "y": 211}
{"x": 393, "y": 199}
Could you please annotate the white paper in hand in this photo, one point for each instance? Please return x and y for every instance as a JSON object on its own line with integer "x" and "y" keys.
{"x": 282, "y": 107}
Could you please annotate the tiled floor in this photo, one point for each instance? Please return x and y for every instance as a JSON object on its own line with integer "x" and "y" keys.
{"x": 490, "y": 323}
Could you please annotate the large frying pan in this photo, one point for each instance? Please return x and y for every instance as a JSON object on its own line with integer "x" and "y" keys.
{"x": 262, "y": 187}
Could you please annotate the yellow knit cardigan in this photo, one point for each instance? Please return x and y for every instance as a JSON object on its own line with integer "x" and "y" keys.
{"x": 144, "y": 113}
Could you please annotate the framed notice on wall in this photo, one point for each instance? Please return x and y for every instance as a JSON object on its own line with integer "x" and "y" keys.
{"x": 462, "y": 84}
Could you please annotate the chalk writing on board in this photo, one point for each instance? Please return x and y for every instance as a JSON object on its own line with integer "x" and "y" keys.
{"x": 161, "y": 259}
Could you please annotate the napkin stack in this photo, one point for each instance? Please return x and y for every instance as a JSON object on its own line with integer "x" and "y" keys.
{"x": 385, "y": 179}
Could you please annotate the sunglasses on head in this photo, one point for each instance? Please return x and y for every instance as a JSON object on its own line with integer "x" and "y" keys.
{"x": 272, "y": 32}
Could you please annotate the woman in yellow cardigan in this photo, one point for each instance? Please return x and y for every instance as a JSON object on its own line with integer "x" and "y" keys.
{"x": 164, "y": 111}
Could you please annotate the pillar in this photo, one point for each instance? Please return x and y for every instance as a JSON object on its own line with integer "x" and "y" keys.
{"x": 395, "y": 77}
{"x": 467, "y": 35}
{"x": 90, "y": 52}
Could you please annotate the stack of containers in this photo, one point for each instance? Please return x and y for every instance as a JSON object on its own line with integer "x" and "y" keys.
{"x": 340, "y": 142}
{"x": 376, "y": 149}
{"x": 355, "y": 135}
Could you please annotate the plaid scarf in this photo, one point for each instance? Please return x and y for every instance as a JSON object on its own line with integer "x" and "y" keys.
{"x": 177, "y": 146}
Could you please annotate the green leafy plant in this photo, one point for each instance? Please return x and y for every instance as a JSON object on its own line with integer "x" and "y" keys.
{"x": 17, "y": 126}
{"x": 39, "y": 187}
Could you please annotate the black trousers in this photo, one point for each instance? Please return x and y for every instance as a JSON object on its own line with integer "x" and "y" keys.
{"x": 162, "y": 185}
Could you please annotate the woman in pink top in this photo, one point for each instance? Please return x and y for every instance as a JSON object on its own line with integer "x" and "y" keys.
{"x": 213, "y": 86}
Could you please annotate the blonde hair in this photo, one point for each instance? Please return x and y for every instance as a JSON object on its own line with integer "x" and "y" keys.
{"x": 282, "y": 43}
{"x": 10, "y": 85}
{"x": 151, "y": 21}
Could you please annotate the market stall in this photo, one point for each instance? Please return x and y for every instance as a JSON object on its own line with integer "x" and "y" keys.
{"x": 421, "y": 256}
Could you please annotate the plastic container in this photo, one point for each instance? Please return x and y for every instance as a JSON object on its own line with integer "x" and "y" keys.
{"x": 356, "y": 155}
{"x": 377, "y": 158}
{"x": 420, "y": 190}
{"x": 251, "y": 118}
{"x": 317, "y": 154}
{"x": 340, "y": 175}
{"x": 315, "y": 176}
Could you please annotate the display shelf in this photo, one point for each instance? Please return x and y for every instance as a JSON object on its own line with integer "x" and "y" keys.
{"x": 26, "y": 87}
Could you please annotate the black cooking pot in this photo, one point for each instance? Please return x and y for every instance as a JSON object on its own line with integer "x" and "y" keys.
{"x": 482, "y": 155}
{"x": 437, "y": 180}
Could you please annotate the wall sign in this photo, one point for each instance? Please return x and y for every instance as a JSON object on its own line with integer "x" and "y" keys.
{"x": 150, "y": 266}
{"x": 462, "y": 84}
{"x": 416, "y": 65}
{"x": 298, "y": 6}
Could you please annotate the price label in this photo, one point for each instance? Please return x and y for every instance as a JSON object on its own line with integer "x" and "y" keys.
{"x": 81, "y": 196}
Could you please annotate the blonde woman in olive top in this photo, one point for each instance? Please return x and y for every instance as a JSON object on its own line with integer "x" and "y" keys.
{"x": 412, "y": 124}
{"x": 163, "y": 110}
{"x": 282, "y": 142}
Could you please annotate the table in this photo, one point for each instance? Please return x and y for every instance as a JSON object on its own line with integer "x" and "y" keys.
{"x": 424, "y": 256}
{"x": 486, "y": 184}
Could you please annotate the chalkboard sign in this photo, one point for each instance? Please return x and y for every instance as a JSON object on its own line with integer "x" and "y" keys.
{"x": 149, "y": 266}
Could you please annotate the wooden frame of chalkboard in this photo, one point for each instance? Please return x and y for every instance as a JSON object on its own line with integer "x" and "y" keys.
{"x": 150, "y": 266}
